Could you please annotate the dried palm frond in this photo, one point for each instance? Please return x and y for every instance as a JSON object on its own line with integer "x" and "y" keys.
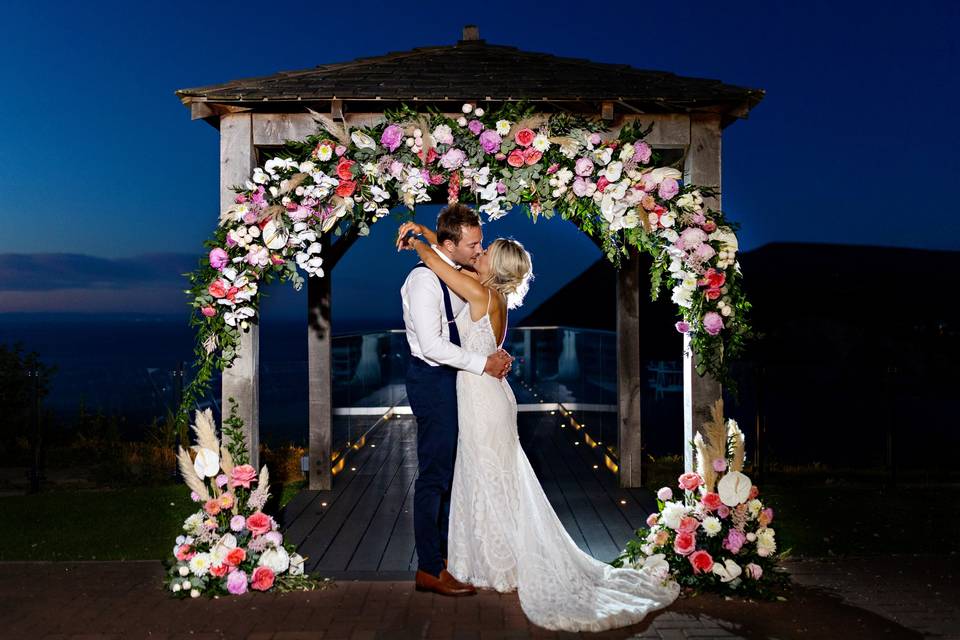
{"x": 737, "y": 444}
{"x": 428, "y": 141}
{"x": 292, "y": 183}
{"x": 263, "y": 482}
{"x": 531, "y": 122}
{"x": 190, "y": 476}
{"x": 206, "y": 430}
{"x": 339, "y": 131}
{"x": 703, "y": 466}
{"x": 273, "y": 212}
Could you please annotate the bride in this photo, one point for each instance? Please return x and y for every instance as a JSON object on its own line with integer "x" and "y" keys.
{"x": 503, "y": 532}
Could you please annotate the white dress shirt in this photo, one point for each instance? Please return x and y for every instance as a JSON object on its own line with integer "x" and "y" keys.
{"x": 426, "y": 323}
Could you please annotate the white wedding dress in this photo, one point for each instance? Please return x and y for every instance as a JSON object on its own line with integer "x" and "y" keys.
{"x": 505, "y": 535}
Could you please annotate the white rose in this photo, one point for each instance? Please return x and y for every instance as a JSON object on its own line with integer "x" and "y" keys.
{"x": 276, "y": 559}
{"x": 307, "y": 167}
{"x": 184, "y": 571}
{"x": 478, "y": 112}
{"x": 656, "y": 565}
{"x": 176, "y": 587}
{"x": 194, "y": 593}
{"x": 462, "y": 121}
{"x": 185, "y": 584}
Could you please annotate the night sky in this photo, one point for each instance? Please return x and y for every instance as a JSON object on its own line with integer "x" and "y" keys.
{"x": 108, "y": 189}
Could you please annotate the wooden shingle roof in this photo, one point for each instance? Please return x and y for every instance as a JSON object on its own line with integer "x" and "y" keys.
{"x": 473, "y": 70}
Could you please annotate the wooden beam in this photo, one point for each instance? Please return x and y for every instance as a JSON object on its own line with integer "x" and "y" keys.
{"x": 241, "y": 381}
{"x": 628, "y": 370}
{"x": 702, "y": 167}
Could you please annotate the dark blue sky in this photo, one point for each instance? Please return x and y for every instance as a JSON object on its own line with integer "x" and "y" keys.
{"x": 855, "y": 142}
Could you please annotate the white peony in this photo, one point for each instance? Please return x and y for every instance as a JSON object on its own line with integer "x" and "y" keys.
{"x": 734, "y": 488}
{"x": 672, "y": 513}
{"x": 728, "y": 571}
{"x": 276, "y": 559}
{"x": 207, "y": 463}
{"x": 712, "y": 526}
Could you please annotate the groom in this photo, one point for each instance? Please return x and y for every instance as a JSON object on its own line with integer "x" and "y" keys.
{"x": 429, "y": 309}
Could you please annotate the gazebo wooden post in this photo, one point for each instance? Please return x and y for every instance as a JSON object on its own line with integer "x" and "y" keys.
{"x": 319, "y": 379}
{"x": 628, "y": 370}
{"x": 241, "y": 381}
{"x": 702, "y": 167}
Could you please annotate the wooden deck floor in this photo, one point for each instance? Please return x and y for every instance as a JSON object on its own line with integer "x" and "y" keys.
{"x": 363, "y": 527}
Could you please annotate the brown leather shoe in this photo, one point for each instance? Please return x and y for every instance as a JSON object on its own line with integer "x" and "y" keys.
{"x": 444, "y": 584}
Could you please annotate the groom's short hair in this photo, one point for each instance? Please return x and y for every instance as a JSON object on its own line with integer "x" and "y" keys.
{"x": 451, "y": 221}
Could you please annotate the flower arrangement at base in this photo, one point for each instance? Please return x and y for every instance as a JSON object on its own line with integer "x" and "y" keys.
{"x": 229, "y": 546}
{"x": 716, "y": 535}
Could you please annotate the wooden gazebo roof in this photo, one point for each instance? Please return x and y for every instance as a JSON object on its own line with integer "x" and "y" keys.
{"x": 473, "y": 70}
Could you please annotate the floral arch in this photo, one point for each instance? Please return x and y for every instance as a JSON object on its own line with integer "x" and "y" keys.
{"x": 609, "y": 183}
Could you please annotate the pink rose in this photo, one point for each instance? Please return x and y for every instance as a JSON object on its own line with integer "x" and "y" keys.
{"x": 346, "y": 188}
{"x": 701, "y": 561}
{"x": 641, "y": 152}
{"x": 208, "y": 311}
{"x": 665, "y": 493}
{"x": 500, "y": 156}
{"x": 754, "y": 492}
{"x": 652, "y": 519}
{"x": 501, "y": 187}
{"x": 602, "y": 183}
{"x": 515, "y": 159}
{"x": 734, "y": 541}
{"x": 766, "y": 517}
{"x": 668, "y": 188}
{"x": 184, "y": 552}
{"x": 684, "y": 543}
{"x": 723, "y": 511}
{"x": 753, "y": 571}
{"x": 241, "y": 476}
{"x": 490, "y": 141}
{"x": 235, "y": 556}
{"x": 240, "y": 199}
{"x": 712, "y": 294}
{"x": 340, "y": 150}
{"x": 259, "y": 523}
{"x": 709, "y": 226}
{"x": 218, "y": 289}
{"x": 713, "y": 279}
{"x": 688, "y": 524}
{"x": 219, "y": 259}
{"x": 524, "y": 137}
{"x": 683, "y": 326}
{"x": 712, "y": 322}
{"x": 392, "y": 137}
{"x": 531, "y": 156}
{"x": 661, "y": 538}
{"x": 237, "y": 583}
{"x": 262, "y": 579}
{"x": 219, "y": 570}
{"x": 711, "y": 501}
{"x": 583, "y": 167}
{"x": 343, "y": 169}
{"x": 690, "y": 481}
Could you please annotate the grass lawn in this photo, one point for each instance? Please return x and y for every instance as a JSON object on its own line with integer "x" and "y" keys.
{"x": 124, "y": 524}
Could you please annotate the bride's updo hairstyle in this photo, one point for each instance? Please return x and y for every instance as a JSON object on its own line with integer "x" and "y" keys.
{"x": 511, "y": 270}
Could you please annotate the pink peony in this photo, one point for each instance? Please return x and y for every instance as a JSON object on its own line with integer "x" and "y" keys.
{"x": 490, "y": 141}
{"x": 753, "y": 571}
{"x": 475, "y": 127}
{"x": 580, "y": 187}
{"x": 262, "y": 579}
{"x": 259, "y": 523}
{"x": 668, "y": 188}
{"x": 208, "y": 311}
{"x": 734, "y": 541}
{"x": 641, "y": 152}
{"x": 219, "y": 259}
{"x": 453, "y": 158}
{"x": 723, "y": 511}
{"x": 524, "y": 137}
{"x": 501, "y": 187}
{"x": 515, "y": 159}
{"x": 711, "y": 501}
{"x": 701, "y": 561}
{"x": 594, "y": 139}
{"x": 665, "y": 493}
{"x": 583, "y": 167}
{"x": 392, "y": 137}
{"x": 684, "y": 543}
{"x": 237, "y": 583}
{"x": 691, "y": 238}
{"x": 712, "y": 322}
{"x": 688, "y": 524}
{"x": 689, "y": 481}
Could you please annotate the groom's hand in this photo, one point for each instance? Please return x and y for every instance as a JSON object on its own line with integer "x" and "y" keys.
{"x": 498, "y": 364}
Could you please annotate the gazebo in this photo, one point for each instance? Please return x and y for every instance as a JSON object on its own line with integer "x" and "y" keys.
{"x": 256, "y": 115}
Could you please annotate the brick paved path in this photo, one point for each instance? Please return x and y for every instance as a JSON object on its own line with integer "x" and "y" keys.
{"x": 124, "y": 600}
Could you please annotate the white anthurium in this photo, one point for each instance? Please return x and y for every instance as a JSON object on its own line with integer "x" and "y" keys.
{"x": 276, "y": 559}
{"x": 207, "y": 463}
{"x": 362, "y": 140}
{"x": 660, "y": 174}
{"x": 274, "y": 191}
{"x": 328, "y": 224}
{"x": 613, "y": 171}
{"x": 296, "y": 564}
{"x": 224, "y": 545}
{"x": 603, "y": 156}
{"x": 734, "y": 488}
{"x": 728, "y": 571}
{"x": 274, "y": 235}
{"x": 656, "y": 565}
{"x": 259, "y": 177}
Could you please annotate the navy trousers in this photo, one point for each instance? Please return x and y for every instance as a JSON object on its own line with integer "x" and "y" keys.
{"x": 432, "y": 392}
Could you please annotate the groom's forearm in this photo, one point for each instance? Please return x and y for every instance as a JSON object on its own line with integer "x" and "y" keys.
{"x": 429, "y": 329}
